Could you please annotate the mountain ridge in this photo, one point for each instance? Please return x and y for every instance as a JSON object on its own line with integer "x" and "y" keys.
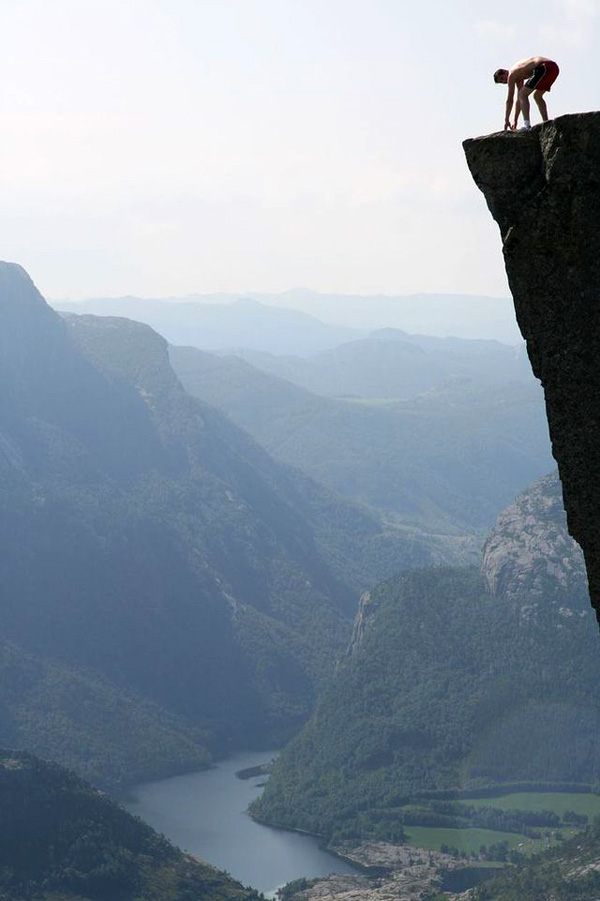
{"x": 153, "y": 550}
{"x": 468, "y": 316}
{"x": 389, "y": 456}
{"x": 213, "y": 326}
{"x": 148, "y": 540}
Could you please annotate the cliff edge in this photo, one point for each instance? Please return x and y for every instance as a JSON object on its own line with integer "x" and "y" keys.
{"x": 543, "y": 189}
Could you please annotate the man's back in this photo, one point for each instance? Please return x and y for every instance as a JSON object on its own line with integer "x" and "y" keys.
{"x": 522, "y": 69}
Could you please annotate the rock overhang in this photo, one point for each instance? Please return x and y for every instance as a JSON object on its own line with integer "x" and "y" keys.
{"x": 543, "y": 189}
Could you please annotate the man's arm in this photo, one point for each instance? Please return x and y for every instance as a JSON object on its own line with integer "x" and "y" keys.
{"x": 509, "y": 105}
{"x": 517, "y": 111}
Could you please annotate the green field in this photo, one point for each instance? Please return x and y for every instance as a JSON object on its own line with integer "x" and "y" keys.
{"x": 470, "y": 840}
{"x": 558, "y": 802}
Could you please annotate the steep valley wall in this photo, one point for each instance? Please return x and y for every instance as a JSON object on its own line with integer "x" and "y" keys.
{"x": 543, "y": 189}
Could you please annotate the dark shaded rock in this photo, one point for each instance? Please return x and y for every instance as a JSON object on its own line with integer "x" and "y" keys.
{"x": 543, "y": 189}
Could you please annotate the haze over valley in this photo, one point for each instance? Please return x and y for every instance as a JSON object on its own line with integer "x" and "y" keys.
{"x": 302, "y": 321}
{"x": 213, "y": 552}
{"x": 299, "y": 451}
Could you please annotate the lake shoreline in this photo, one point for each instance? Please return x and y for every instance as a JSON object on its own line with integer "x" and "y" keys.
{"x": 206, "y": 814}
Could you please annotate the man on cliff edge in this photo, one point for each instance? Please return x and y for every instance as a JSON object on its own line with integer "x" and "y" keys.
{"x": 534, "y": 75}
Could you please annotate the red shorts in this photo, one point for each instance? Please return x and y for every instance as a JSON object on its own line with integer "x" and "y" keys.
{"x": 543, "y": 76}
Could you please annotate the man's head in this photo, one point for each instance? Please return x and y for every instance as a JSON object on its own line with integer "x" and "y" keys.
{"x": 501, "y": 76}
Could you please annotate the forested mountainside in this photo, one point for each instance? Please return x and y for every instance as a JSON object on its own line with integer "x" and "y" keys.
{"x": 357, "y": 544}
{"x": 392, "y": 364}
{"x": 447, "y": 687}
{"x": 449, "y": 459}
{"x": 62, "y": 840}
{"x": 109, "y": 733}
{"x": 569, "y": 872}
{"x": 153, "y": 551}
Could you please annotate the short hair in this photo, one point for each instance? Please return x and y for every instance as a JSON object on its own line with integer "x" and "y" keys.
{"x": 499, "y": 73}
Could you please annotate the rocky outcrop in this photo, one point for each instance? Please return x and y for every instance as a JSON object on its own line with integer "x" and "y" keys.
{"x": 363, "y": 621}
{"x": 543, "y": 189}
{"x": 530, "y": 554}
{"x": 398, "y": 872}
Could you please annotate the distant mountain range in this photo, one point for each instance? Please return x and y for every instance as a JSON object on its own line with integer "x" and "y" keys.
{"x": 476, "y": 397}
{"x": 241, "y": 323}
{"x": 448, "y": 458}
{"x": 169, "y": 590}
{"x": 393, "y": 365}
{"x": 442, "y": 315}
{"x": 303, "y": 322}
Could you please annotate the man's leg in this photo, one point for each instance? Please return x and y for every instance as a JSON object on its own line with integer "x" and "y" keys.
{"x": 538, "y": 96}
{"x": 524, "y": 98}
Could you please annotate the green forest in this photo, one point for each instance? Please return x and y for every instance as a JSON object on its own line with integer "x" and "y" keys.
{"x": 448, "y": 692}
{"x": 446, "y": 460}
{"x": 61, "y": 837}
{"x": 566, "y": 873}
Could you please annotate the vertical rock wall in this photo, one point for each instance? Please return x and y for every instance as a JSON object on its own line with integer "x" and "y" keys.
{"x": 543, "y": 189}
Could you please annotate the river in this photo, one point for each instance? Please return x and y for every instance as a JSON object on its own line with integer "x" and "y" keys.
{"x": 205, "y": 813}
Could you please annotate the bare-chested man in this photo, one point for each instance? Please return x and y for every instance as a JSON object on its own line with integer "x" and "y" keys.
{"x": 535, "y": 75}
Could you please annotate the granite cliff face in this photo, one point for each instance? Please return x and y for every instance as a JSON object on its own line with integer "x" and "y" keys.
{"x": 543, "y": 189}
{"x": 530, "y": 555}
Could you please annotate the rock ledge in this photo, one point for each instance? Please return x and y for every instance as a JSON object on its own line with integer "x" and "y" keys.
{"x": 543, "y": 189}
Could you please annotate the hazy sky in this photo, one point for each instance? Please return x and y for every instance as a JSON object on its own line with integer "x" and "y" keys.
{"x": 170, "y": 146}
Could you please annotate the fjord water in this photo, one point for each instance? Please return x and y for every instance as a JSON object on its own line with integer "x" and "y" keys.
{"x": 205, "y": 813}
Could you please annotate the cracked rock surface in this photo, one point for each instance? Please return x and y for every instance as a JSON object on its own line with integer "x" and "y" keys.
{"x": 530, "y": 554}
{"x": 543, "y": 189}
